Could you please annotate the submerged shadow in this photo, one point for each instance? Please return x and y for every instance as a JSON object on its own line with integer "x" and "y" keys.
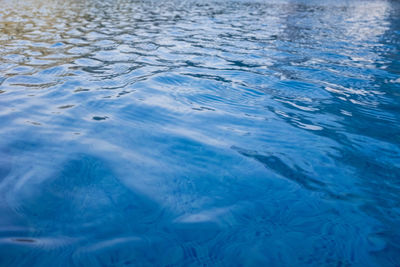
{"x": 293, "y": 173}
{"x": 84, "y": 215}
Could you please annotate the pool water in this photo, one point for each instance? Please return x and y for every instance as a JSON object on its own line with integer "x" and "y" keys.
{"x": 199, "y": 133}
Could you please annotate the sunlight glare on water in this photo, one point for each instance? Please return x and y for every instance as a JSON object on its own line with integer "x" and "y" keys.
{"x": 199, "y": 133}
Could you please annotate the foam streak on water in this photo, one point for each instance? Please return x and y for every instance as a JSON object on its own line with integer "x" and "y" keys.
{"x": 199, "y": 133}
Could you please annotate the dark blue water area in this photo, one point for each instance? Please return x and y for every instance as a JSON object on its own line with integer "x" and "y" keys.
{"x": 199, "y": 133}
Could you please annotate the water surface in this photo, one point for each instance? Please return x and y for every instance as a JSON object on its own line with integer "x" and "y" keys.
{"x": 199, "y": 133}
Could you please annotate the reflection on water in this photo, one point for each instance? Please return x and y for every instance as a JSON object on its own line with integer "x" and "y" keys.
{"x": 199, "y": 133}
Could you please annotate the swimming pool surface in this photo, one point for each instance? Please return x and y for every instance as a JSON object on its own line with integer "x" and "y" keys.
{"x": 199, "y": 133}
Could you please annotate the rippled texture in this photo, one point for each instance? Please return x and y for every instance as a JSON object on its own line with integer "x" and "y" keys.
{"x": 199, "y": 133}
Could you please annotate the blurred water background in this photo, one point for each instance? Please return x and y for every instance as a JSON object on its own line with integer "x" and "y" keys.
{"x": 199, "y": 133}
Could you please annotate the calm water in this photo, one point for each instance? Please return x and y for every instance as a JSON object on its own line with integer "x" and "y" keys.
{"x": 197, "y": 133}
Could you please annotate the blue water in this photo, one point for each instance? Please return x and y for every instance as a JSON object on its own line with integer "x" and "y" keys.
{"x": 199, "y": 133}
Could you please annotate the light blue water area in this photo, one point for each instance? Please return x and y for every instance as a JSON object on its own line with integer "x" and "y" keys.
{"x": 199, "y": 133}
